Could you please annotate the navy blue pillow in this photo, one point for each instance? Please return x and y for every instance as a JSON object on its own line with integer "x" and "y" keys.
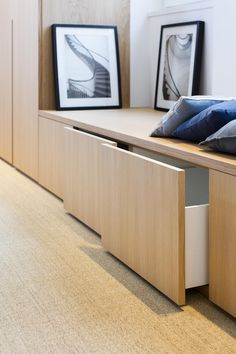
{"x": 207, "y": 122}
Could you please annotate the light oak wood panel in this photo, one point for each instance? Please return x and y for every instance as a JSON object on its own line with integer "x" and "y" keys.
{"x": 51, "y": 156}
{"x": 25, "y": 90}
{"x": 6, "y": 81}
{"x": 222, "y": 245}
{"x": 133, "y": 126}
{"x": 82, "y": 196}
{"x": 143, "y": 218}
{"x": 107, "y": 12}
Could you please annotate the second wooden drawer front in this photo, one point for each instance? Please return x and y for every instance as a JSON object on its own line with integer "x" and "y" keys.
{"x": 143, "y": 221}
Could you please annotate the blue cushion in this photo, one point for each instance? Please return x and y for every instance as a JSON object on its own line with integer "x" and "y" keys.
{"x": 207, "y": 122}
{"x": 224, "y": 140}
{"x": 184, "y": 108}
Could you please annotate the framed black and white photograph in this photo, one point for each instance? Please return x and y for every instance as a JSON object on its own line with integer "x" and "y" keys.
{"x": 86, "y": 67}
{"x": 179, "y": 62}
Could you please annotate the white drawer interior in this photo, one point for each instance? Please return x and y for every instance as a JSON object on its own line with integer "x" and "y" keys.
{"x": 196, "y": 246}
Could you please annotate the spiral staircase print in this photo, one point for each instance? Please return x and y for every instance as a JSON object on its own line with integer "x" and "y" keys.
{"x": 98, "y": 83}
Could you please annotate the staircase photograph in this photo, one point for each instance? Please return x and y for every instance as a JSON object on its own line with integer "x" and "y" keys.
{"x": 86, "y": 66}
{"x": 97, "y": 82}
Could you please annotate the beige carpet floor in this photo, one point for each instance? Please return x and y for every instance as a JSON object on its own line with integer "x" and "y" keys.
{"x": 60, "y": 292}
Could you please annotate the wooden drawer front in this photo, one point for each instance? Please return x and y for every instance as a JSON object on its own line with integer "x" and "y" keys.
{"x": 222, "y": 241}
{"x": 143, "y": 218}
{"x": 51, "y": 156}
{"x": 83, "y": 176}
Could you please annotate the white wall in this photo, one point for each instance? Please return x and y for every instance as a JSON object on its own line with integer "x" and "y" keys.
{"x": 139, "y": 62}
{"x": 145, "y": 37}
{"x": 224, "y": 59}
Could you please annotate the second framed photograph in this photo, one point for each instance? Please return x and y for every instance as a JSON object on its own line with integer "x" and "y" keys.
{"x": 179, "y": 62}
{"x": 86, "y": 67}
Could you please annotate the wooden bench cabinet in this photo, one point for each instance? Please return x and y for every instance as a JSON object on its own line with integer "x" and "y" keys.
{"x": 155, "y": 219}
{"x": 149, "y": 221}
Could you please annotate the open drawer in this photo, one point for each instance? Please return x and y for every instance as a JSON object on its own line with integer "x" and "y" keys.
{"x": 155, "y": 219}
{"x": 82, "y": 178}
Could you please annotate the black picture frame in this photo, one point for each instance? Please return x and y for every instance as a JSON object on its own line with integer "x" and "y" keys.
{"x": 86, "y": 67}
{"x": 179, "y": 62}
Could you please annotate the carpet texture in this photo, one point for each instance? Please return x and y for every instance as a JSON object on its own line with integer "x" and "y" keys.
{"x": 60, "y": 292}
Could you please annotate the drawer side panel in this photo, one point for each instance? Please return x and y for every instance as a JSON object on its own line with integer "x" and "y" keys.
{"x": 196, "y": 246}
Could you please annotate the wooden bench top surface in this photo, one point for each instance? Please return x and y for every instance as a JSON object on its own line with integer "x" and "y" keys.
{"x": 133, "y": 126}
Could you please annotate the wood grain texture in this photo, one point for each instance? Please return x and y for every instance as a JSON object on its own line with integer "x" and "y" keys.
{"x": 25, "y": 90}
{"x": 82, "y": 173}
{"x": 107, "y": 12}
{"x": 222, "y": 246}
{"x": 6, "y": 18}
{"x": 51, "y": 156}
{"x": 133, "y": 126}
{"x": 143, "y": 218}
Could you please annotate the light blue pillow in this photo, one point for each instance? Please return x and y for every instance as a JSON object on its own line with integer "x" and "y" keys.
{"x": 224, "y": 140}
{"x": 207, "y": 122}
{"x": 185, "y": 108}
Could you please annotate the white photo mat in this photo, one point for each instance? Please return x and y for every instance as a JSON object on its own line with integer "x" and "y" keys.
{"x": 78, "y": 52}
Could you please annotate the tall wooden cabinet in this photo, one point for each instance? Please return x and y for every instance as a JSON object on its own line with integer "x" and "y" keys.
{"x": 25, "y": 86}
{"x": 19, "y": 85}
{"x": 6, "y": 108}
